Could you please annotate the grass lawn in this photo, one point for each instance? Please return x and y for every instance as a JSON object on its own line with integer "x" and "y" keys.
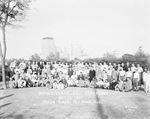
{"x": 73, "y": 103}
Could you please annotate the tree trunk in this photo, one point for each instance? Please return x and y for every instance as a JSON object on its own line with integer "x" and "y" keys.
{"x": 4, "y": 74}
{"x": 3, "y": 56}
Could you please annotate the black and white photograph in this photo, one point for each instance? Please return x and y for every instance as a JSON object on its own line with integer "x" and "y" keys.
{"x": 74, "y": 59}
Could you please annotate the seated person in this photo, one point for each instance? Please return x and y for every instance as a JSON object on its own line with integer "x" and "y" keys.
{"x": 12, "y": 83}
{"x": 70, "y": 82}
{"x": 63, "y": 81}
{"x": 34, "y": 79}
{"x": 80, "y": 79}
{"x": 119, "y": 86}
{"x": 99, "y": 83}
{"x": 128, "y": 85}
{"x": 21, "y": 82}
{"x": 15, "y": 78}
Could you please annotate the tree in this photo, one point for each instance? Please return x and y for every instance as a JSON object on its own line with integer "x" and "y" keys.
{"x": 11, "y": 11}
{"x": 35, "y": 57}
{"x": 109, "y": 57}
{"x": 141, "y": 57}
{"x": 128, "y": 58}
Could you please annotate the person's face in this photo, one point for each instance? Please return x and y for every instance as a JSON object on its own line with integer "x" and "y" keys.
{"x": 145, "y": 70}
{"x": 122, "y": 64}
{"x": 132, "y": 65}
{"x": 129, "y": 69}
{"x": 114, "y": 64}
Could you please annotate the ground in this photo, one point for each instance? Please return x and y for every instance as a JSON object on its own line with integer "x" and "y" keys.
{"x": 73, "y": 103}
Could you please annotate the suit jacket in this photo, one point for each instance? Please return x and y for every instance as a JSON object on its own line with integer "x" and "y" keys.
{"x": 92, "y": 73}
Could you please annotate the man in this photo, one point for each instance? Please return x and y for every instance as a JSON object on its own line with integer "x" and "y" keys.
{"x": 133, "y": 68}
{"x": 110, "y": 66}
{"x": 128, "y": 84}
{"x": 123, "y": 66}
{"x": 136, "y": 77}
{"x": 92, "y": 74}
{"x": 115, "y": 66}
{"x": 140, "y": 70}
{"x": 122, "y": 75}
{"x": 70, "y": 71}
{"x": 109, "y": 77}
{"x": 127, "y": 66}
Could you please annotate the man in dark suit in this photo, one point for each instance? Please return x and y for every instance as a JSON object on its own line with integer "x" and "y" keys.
{"x": 92, "y": 74}
{"x": 70, "y": 70}
{"x": 126, "y": 67}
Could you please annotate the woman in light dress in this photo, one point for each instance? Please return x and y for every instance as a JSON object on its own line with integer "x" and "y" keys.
{"x": 147, "y": 81}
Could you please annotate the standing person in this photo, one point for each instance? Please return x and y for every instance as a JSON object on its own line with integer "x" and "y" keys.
{"x": 140, "y": 70}
{"x": 144, "y": 78}
{"x": 99, "y": 74}
{"x": 70, "y": 72}
{"x": 126, "y": 66}
{"x": 92, "y": 74}
{"x": 105, "y": 66}
{"x": 114, "y": 78}
{"x": 136, "y": 80}
{"x": 110, "y": 66}
{"x": 13, "y": 64}
{"x": 118, "y": 70}
{"x": 122, "y": 75}
{"x": 123, "y": 66}
{"x": 133, "y": 68}
{"x": 129, "y": 76}
{"x": 147, "y": 82}
{"x": 109, "y": 77}
{"x": 115, "y": 66}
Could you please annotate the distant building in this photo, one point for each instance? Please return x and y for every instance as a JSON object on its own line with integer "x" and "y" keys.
{"x": 63, "y": 53}
{"x": 48, "y": 48}
{"x": 77, "y": 51}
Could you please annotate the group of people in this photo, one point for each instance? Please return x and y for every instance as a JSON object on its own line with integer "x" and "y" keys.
{"x": 59, "y": 75}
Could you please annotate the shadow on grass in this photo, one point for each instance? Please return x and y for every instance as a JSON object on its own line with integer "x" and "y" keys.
{"x": 13, "y": 115}
{"x": 4, "y": 105}
{"x": 100, "y": 108}
{"x": 6, "y": 96}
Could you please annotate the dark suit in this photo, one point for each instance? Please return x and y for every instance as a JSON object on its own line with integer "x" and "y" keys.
{"x": 70, "y": 72}
{"x": 92, "y": 74}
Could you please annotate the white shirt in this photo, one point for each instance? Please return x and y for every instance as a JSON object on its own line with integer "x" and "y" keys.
{"x": 147, "y": 79}
{"x": 133, "y": 69}
{"x": 122, "y": 73}
{"x": 129, "y": 73}
{"x": 140, "y": 69}
{"x": 144, "y": 76}
{"x": 136, "y": 75}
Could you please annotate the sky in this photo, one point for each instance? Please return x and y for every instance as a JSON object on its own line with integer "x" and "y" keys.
{"x": 99, "y": 26}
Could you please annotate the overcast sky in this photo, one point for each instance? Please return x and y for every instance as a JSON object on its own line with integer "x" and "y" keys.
{"x": 100, "y": 26}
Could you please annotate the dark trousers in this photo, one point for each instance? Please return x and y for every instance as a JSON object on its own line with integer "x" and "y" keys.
{"x": 135, "y": 83}
{"x": 91, "y": 78}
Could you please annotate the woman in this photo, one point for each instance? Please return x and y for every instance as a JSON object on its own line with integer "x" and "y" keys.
{"x": 147, "y": 82}
{"x": 144, "y": 78}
